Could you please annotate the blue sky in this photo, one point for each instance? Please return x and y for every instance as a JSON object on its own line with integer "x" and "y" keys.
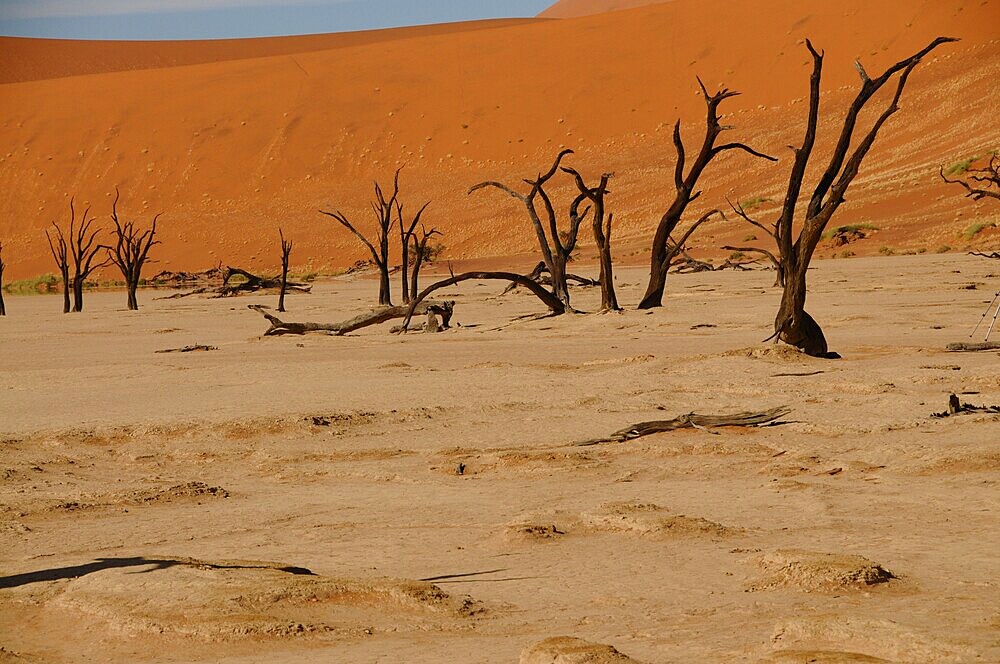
{"x": 216, "y": 19}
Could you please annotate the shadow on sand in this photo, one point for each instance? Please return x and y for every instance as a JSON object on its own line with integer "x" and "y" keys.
{"x": 76, "y": 571}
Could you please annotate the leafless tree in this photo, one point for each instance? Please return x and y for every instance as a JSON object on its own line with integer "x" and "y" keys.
{"x": 83, "y": 249}
{"x": 793, "y": 324}
{"x": 130, "y": 251}
{"x": 980, "y": 183}
{"x": 685, "y": 186}
{"x": 384, "y": 209}
{"x": 600, "y": 223}
{"x": 286, "y": 252}
{"x": 3, "y": 309}
{"x": 556, "y": 247}
{"x": 422, "y": 253}
{"x": 60, "y": 253}
{"x": 406, "y": 236}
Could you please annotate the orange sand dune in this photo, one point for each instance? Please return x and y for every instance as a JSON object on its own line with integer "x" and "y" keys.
{"x": 572, "y": 8}
{"x": 34, "y": 59}
{"x": 230, "y": 150}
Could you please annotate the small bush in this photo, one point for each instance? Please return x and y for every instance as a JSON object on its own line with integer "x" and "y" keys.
{"x": 751, "y": 203}
{"x": 46, "y": 283}
{"x": 750, "y": 238}
{"x": 736, "y": 255}
{"x": 848, "y": 228}
{"x": 974, "y": 230}
{"x": 960, "y": 167}
{"x": 943, "y": 249}
{"x": 847, "y": 254}
{"x": 886, "y": 251}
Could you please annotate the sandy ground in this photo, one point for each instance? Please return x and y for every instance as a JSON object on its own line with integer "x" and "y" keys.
{"x": 167, "y": 507}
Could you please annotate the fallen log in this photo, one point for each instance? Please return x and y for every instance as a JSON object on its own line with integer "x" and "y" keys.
{"x": 251, "y": 284}
{"x": 963, "y": 347}
{"x": 438, "y": 313}
{"x": 197, "y": 348}
{"x": 691, "y": 420}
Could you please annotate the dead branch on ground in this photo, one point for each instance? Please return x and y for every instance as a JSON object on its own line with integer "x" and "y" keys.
{"x": 691, "y": 420}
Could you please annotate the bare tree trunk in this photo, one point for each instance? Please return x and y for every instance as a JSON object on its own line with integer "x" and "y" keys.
{"x": 793, "y": 324}
{"x": 661, "y": 254}
{"x": 286, "y": 252}
{"x": 3, "y": 308}
{"x": 601, "y": 228}
{"x": 133, "y": 301}
{"x": 421, "y": 254}
{"x": 66, "y": 290}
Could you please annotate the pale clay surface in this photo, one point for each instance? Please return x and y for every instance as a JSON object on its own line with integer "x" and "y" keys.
{"x": 112, "y": 452}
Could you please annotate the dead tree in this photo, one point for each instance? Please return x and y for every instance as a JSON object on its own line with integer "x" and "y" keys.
{"x": 540, "y": 274}
{"x": 989, "y": 176}
{"x": 601, "y": 225}
{"x": 60, "y": 252}
{"x": 384, "y": 209}
{"x": 130, "y": 251}
{"x": 793, "y": 324}
{"x": 3, "y": 309}
{"x": 557, "y": 248}
{"x": 685, "y": 186}
{"x": 406, "y": 235}
{"x": 83, "y": 249}
{"x": 422, "y": 253}
{"x": 286, "y": 252}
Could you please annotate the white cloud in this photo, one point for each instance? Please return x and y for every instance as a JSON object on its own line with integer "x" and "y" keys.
{"x": 34, "y": 9}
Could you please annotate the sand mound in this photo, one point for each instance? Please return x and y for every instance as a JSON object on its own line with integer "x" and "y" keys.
{"x": 818, "y": 571}
{"x": 858, "y": 637}
{"x": 179, "y": 492}
{"x": 648, "y": 520}
{"x": 821, "y": 657}
{"x": 231, "y": 600}
{"x": 570, "y": 650}
{"x": 532, "y": 531}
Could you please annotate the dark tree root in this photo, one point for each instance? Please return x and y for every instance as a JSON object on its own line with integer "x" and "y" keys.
{"x": 691, "y": 420}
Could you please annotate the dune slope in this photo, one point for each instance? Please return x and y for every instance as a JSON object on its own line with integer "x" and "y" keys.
{"x": 229, "y": 150}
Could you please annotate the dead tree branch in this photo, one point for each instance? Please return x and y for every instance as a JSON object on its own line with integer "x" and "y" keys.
{"x": 691, "y": 420}
{"x": 989, "y": 176}
{"x": 376, "y": 317}
{"x": 555, "y": 305}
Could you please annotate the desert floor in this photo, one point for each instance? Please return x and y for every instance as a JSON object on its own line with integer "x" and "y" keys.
{"x": 166, "y": 507}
